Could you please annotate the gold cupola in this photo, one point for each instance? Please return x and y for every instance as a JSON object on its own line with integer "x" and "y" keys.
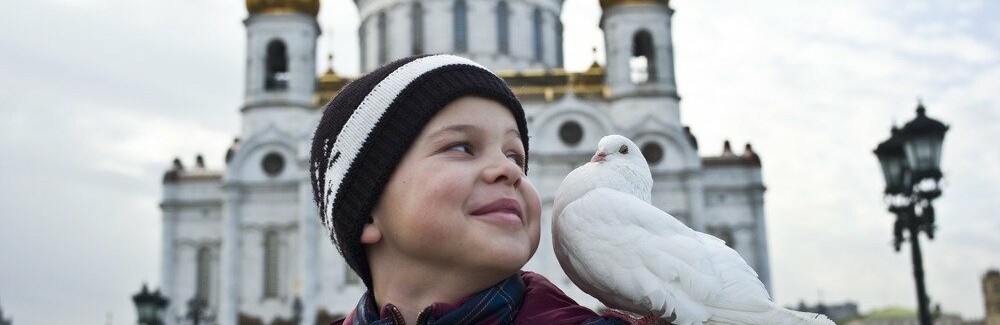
{"x": 308, "y": 7}
{"x": 605, "y": 4}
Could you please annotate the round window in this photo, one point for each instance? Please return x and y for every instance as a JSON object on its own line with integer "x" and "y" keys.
{"x": 570, "y": 133}
{"x": 653, "y": 152}
{"x": 273, "y": 163}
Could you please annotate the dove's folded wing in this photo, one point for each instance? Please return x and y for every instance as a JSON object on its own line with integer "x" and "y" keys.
{"x": 634, "y": 256}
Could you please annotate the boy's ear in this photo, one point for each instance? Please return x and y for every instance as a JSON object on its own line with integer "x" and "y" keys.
{"x": 370, "y": 234}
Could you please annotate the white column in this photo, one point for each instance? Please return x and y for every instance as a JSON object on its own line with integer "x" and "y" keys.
{"x": 763, "y": 266}
{"x": 229, "y": 303}
{"x": 309, "y": 256}
{"x": 665, "y": 60}
{"x": 167, "y": 258}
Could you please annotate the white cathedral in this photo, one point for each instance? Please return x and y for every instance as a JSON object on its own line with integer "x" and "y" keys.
{"x": 247, "y": 239}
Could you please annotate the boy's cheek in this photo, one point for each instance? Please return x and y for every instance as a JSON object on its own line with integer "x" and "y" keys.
{"x": 532, "y": 200}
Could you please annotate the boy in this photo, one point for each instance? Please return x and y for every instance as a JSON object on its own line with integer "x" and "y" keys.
{"x": 419, "y": 171}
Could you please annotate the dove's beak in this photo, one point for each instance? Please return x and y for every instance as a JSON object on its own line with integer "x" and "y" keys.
{"x": 599, "y": 156}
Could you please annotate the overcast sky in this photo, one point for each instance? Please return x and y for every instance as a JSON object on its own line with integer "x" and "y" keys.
{"x": 97, "y": 96}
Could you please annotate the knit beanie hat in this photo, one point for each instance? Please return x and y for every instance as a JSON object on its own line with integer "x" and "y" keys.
{"x": 368, "y": 127}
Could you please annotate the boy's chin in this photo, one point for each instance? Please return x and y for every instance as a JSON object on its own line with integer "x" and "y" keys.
{"x": 502, "y": 268}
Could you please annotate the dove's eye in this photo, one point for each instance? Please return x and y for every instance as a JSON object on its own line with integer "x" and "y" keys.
{"x": 623, "y": 150}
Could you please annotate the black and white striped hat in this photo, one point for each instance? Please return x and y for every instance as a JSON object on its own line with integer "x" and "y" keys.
{"x": 368, "y": 127}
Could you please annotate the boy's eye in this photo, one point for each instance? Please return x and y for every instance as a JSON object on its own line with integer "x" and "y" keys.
{"x": 517, "y": 158}
{"x": 461, "y": 147}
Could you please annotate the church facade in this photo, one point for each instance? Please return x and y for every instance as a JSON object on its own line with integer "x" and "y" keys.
{"x": 246, "y": 239}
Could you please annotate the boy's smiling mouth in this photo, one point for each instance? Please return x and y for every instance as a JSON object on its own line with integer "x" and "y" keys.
{"x": 504, "y": 210}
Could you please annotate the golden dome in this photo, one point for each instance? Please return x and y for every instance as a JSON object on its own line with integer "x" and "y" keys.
{"x": 605, "y": 4}
{"x": 309, "y": 7}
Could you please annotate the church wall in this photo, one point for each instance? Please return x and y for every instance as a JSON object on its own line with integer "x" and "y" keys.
{"x": 734, "y": 202}
{"x": 294, "y": 119}
{"x": 209, "y": 190}
{"x": 628, "y": 112}
{"x": 336, "y": 293}
{"x": 677, "y": 155}
{"x": 438, "y": 27}
{"x": 670, "y": 195}
{"x": 481, "y": 30}
{"x": 191, "y": 220}
{"x": 482, "y": 27}
{"x": 398, "y": 23}
{"x": 546, "y": 127}
{"x": 549, "y": 44}
{"x": 520, "y": 33}
{"x": 269, "y": 208}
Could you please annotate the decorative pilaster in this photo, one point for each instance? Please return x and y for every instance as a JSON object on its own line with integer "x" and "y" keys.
{"x": 763, "y": 266}
{"x": 168, "y": 257}
{"x": 229, "y": 298}
{"x": 309, "y": 258}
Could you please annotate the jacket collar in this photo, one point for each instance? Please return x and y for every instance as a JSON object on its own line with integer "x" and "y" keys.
{"x": 497, "y": 304}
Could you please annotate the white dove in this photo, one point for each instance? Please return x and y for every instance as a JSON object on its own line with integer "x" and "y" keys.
{"x": 632, "y": 256}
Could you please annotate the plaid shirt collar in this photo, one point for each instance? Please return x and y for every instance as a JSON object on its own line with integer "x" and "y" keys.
{"x": 495, "y": 305}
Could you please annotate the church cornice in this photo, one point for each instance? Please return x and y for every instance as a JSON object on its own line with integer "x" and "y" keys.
{"x": 532, "y": 85}
{"x": 308, "y": 7}
{"x": 187, "y": 176}
{"x": 173, "y": 204}
{"x": 735, "y": 161}
{"x": 605, "y": 4}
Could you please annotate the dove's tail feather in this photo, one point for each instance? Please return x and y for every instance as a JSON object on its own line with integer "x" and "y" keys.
{"x": 774, "y": 316}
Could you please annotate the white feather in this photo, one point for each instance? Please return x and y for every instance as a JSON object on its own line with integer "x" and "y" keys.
{"x": 632, "y": 256}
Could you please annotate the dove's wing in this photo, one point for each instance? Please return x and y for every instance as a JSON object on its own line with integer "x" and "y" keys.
{"x": 633, "y": 256}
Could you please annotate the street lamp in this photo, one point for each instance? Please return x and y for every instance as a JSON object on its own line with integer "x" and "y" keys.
{"x": 297, "y": 310}
{"x": 198, "y": 311}
{"x": 149, "y": 306}
{"x": 910, "y": 161}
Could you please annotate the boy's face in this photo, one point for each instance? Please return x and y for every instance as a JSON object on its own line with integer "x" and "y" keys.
{"x": 459, "y": 198}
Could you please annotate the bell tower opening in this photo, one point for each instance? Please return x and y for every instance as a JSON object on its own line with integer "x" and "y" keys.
{"x": 642, "y": 64}
{"x": 276, "y": 66}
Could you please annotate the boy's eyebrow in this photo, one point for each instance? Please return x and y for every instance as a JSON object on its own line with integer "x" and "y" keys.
{"x": 466, "y": 128}
{"x": 456, "y": 128}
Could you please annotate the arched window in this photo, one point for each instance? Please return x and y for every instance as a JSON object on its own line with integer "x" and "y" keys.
{"x": 276, "y": 66}
{"x": 383, "y": 39}
{"x": 536, "y": 18}
{"x": 459, "y": 13}
{"x": 643, "y": 61}
{"x": 417, "y": 27}
{"x": 203, "y": 274}
{"x": 363, "y": 37}
{"x": 503, "y": 27}
{"x": 272, "y": 258}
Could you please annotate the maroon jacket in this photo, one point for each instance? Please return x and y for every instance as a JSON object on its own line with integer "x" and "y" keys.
{"x": 544, "y": 303}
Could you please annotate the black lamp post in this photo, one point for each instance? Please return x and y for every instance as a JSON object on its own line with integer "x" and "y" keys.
{"x": 197, "y": 311}
{"x": 910, "y": 161}
{"x": 149, "y": 306}
{"x": 297, "y": 311}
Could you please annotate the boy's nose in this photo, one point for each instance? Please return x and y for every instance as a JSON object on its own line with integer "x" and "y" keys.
{"x": 503, "y": 170}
